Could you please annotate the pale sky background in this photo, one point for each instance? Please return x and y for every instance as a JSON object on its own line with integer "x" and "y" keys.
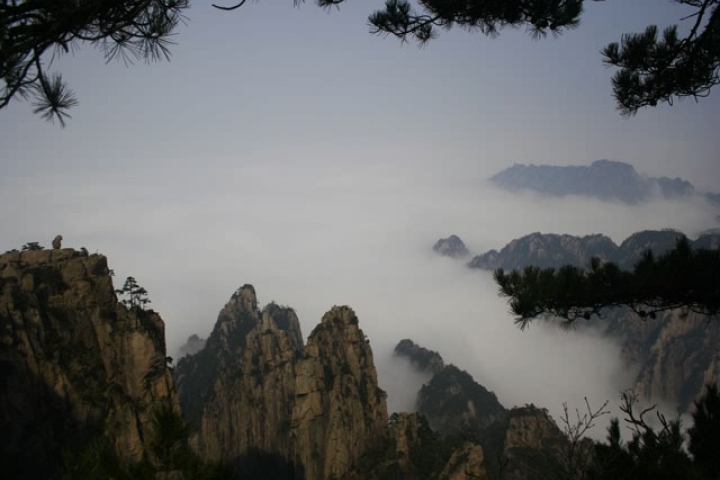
{"x": 289, "y": 148}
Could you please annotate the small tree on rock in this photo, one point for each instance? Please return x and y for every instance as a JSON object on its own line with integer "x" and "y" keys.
{"x": 135, "y": 295}
{"x": 32, "y": 246}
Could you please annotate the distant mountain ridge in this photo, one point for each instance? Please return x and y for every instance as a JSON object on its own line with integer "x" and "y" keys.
{"x": 548, "y": 250}
{"x": 603, "y": 179}
{"x": 676, "y": 354}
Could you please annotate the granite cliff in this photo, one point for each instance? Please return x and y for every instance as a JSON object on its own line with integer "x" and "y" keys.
{"x": 274, "y": 407}
{"x": 81, "y": 372}
{"x": 256, "y": 390}
{"x": 75, "y": 363}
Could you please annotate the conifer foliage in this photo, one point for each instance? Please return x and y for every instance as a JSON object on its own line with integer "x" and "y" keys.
{"x": 32, "y": 32}
{"x": 134, "y": 295}
{"x": 653, "y": 68}
{"x": 682, "y": 278}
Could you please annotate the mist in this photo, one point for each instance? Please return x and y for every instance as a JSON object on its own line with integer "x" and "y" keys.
{"x": 325, "y": 234}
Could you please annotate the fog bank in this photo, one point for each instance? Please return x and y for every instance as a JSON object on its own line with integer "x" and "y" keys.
{"x": 320, "y": 235}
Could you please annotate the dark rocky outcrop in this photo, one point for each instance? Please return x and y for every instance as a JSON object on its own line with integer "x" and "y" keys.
{"x": 451, "y": 247}
{"x": 74, "y": 363}
{"x": 411, "y": 450}
{"x": 603, "y": 179}
{"x": 455, "y": 404}
{"x": 193, "y": 345}
{"x": 424, "y": 360}
{"x": 518, "y": 443}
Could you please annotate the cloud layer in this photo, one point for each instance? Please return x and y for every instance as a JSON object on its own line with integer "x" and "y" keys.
{"x": 319, "y": 235}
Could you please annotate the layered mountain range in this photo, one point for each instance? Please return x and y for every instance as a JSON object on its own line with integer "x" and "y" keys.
{"x": 676, "y": 354}
{"x": 548, "y": 250}
{"x": 80, "y": 369}
{"x": 86, "y": 389}
{"x": 315, "y": 406}
{"x": 603, "y": 179}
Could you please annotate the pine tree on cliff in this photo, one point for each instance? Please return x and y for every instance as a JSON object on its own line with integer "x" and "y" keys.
{"x": 136, "y": 296}
{"x": 682, "y": 278}
{"x": 653, "y": 68}
{"x": 32, "y": 32}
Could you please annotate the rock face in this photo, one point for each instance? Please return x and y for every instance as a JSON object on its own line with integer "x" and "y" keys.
{"x": 405, "y": 431}
{"x": 466, "y": 463}
{"x": 411, "y": 450}
{"x": 533, "y": 443}
{"x": 451, "y": 247}
{"x": 255, "y": 389}
{"x": 603, "y": 179}
{"x": 339, "y": 409}
{"x": 74, "y": 362}
{"x": 677, "y": 355}
{"x": 254, "y": 375}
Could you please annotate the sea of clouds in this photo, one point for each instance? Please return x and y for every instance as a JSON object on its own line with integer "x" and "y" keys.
{"x": 314, "y": 236}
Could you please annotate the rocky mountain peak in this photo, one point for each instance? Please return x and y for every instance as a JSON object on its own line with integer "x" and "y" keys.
{"x": 453, "y": 403}
{"x": 244, "y": 299}
{"x": 451, "y": 247}
{"x": 339, "y": 316}
{"x": 547, "y": 250}
{"x": 421, "y": 358}
{"x": 339, "y": 410}
{"x": 241, "y": 309}
{"x": 315, "y": 407}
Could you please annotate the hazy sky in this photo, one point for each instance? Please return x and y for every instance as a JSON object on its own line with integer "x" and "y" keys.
{"x": 289, "y": 148}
